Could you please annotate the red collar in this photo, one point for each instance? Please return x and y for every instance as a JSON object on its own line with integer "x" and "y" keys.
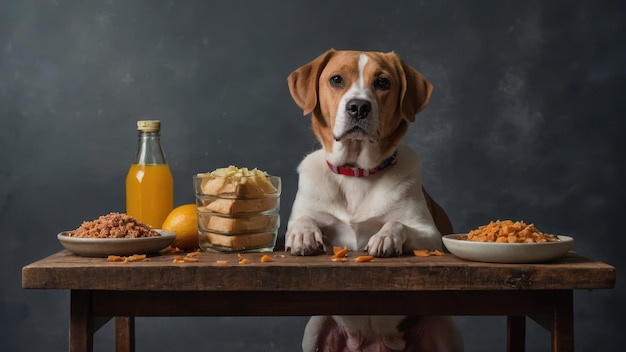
{"x": 358, "y": 172}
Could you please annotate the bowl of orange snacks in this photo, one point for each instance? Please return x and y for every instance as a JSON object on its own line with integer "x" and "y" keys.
{"x": 508, "y": 241}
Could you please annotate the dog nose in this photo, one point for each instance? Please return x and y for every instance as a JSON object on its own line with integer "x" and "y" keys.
{"x": 358, "y": 108}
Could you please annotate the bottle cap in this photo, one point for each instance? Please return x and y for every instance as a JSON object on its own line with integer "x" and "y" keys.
{"x": 149, "y": 125}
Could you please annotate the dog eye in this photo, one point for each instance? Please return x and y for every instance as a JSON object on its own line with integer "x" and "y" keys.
{"x": 336, "y": 81}
{"x": 382, "y": 83}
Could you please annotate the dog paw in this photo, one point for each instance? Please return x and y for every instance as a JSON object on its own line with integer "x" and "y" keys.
{"x": 386, "y": 243}
{"x": 304, "y": 237}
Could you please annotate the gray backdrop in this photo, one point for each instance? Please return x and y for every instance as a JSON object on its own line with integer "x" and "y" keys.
{"x": 526, "y": 122}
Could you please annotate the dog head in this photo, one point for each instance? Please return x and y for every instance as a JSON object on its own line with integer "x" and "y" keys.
{"x": 360, "y": 103}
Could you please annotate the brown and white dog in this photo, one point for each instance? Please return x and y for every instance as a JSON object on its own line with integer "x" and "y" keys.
{"x": 363, "y": 189}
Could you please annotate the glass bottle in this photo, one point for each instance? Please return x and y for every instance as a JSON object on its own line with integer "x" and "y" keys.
{"x": 149, "y": 182}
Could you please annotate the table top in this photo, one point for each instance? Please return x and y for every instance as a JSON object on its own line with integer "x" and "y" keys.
{"x": 223, "y": 272}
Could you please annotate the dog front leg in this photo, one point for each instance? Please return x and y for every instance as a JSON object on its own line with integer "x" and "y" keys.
{"x": 395, "y": 238}
{"x": 388, "y": 241}
{"x": 304, "y": 237}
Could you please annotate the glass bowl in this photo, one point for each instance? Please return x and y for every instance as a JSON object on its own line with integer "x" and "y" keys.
{"x": 237, "y": 214}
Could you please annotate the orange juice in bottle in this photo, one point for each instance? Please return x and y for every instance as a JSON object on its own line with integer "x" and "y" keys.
{"x": 149, "y": 182}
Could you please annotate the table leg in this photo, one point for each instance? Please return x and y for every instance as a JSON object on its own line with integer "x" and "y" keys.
{"x": 563, "y": 322}
{"x": 81, "y": 322}
{"x": 125, "y": 334}
{"x": 516, "y": 333}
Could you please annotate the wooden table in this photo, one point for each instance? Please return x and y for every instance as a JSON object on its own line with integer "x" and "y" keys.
{"x": 296, "y": 286}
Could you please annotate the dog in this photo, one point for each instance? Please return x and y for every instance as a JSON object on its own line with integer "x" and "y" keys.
{"x": 362, "y": 189}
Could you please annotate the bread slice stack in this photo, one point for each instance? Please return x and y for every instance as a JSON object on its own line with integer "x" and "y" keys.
{"x": 237, "y": 209}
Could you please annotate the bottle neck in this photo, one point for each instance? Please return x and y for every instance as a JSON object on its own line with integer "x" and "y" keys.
{"x": 149, "y": 150}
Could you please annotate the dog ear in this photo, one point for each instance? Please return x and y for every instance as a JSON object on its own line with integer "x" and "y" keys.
{"x": 415, "y": 91}
{"x": 304, "y": 82}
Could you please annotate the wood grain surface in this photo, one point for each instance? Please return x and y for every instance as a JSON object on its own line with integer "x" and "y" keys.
{"x": 64, "y": 270}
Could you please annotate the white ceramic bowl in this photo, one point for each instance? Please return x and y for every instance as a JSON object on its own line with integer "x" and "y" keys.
{"x": 103, "y": 247}
{"x": 508, "y": 252}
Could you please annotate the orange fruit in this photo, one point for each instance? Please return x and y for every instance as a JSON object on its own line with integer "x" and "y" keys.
{"x": 184, "y": 221}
